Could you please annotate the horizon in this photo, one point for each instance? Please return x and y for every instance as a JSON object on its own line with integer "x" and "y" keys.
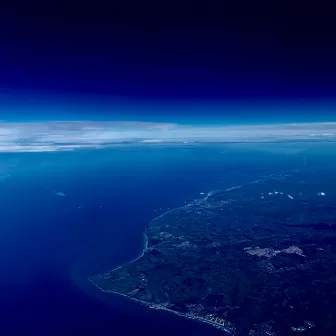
{"x": 70, "y": 135}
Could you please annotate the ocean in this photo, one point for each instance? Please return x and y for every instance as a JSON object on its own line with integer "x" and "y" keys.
{"x": 67, "y": 215}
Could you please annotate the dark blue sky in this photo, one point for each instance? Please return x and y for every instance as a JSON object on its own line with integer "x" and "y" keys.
{"x": 164, "y": 60}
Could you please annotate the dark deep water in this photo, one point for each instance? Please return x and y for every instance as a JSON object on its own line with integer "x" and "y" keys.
{"x": 50, "y": 243}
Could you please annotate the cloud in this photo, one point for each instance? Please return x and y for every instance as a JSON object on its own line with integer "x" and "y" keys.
{"x": 54, "y": 136}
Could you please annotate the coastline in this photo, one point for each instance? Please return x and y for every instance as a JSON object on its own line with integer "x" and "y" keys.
{"x": 151, "y": 306}
{"x": 145, "y": 248}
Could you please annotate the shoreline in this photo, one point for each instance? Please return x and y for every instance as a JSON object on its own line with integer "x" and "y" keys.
{"x": 151, "y": 306}
{"x": 145, "y": 248}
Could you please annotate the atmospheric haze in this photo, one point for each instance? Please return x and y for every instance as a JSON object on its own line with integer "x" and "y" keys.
{"x": 69, "y": 135}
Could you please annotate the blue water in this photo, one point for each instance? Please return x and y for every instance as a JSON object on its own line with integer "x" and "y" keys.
{"x": 49, "y": 243}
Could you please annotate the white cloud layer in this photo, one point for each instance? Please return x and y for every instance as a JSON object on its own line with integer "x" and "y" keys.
{"x": 65, "y": 135}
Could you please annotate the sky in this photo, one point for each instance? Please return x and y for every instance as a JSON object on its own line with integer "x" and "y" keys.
{"x": 163, "y": 62}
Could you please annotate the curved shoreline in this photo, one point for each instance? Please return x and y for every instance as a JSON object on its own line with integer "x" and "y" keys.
{"x": 149, "y": 305}
{"x": 210, "y": 193}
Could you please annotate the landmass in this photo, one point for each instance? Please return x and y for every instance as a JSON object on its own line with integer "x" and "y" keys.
{"x": 248, "y": 260}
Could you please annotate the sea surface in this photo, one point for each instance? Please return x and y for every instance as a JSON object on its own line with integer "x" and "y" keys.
{"x": 67, "y": 215}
